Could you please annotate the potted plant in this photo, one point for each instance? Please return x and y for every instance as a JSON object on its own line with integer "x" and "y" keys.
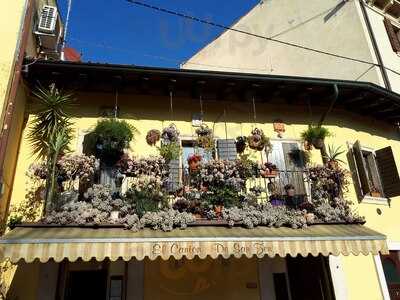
{"x": 290, "y": 190}
{"x": 332, "y": 156}
{"x": 194, "y": 162}
{"x": 315, "y": 135}
{"x": 374, "y": 191}
{"x": 153, "y": 136}
{"x": 170, "y": 148}
{"x": 258, "y": 140}
{"x": 241, "y": 144}
{"x": 268, "y": 170}
{"x": 112, "y": 137}
{"x": 205, "y": 138}
{"x": 275, "y": 198}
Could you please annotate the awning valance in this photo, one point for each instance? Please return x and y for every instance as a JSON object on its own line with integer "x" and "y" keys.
{"x": 30, "y": 243}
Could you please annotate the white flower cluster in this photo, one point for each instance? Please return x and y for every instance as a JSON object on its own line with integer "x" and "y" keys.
{"x": 222, "y": 172}
{"x": 152, "y": 166}
{"x": 170, "y": 135}
{"x": 265, "y": 215}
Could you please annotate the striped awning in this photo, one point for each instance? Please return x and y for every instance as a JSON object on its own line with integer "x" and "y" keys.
{"x": 30, "y": 243}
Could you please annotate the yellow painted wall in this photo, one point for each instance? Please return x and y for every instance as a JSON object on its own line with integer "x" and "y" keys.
{"x": 148, "y": 112}
{"x": 11, "y": 18}
{"x": 24, "y": 282}
{"x": 201, "y": 279}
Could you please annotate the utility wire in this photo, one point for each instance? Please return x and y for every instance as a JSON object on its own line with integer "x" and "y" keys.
{"x": 196, "y": 19}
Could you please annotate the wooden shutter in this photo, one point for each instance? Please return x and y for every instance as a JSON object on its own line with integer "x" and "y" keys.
{"x": 174, "y": 175}
{"x": 362, "y": 171}
{"x": 354, "y": 173}
{"x": 388, "y": 171}
{"x": 393, "y": 38}
{"x": 226, "y": 149}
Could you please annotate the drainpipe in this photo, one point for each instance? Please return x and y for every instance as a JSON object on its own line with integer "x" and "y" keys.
{"x": 375, "y": 46}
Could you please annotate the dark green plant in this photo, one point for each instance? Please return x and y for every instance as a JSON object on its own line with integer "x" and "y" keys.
{"x": 112, "y": 137}
{"x": 13, "y": 221}
{"x": 170, "y": 151}
{"x": 50, "y": 117}
{"x": 334, "y": 153}
{"x": 315, "y": 132}
{"x": 222, "y": 195}
{"x": 50, "y": 132}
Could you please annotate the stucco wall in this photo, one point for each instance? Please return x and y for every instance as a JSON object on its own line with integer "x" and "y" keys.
{"x": 325, "y": 25}
{"x": 148, "y": 112}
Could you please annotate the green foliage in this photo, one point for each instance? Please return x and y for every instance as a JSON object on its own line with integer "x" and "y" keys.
{"x": 334, "y": 153}
{"x": 13, "y": 221}
{"x": 170, "y": 151}
{"x": 315, "y": 132}
{"x": 50, "y": 117}
{"x": 112, "y": 136}
{"x": 223, "y": 195}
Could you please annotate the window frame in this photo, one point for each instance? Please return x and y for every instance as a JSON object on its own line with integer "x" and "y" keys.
{"x": 365, "y": 198}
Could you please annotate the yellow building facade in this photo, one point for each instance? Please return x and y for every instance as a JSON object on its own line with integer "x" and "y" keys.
{"x": 229, "y": 115}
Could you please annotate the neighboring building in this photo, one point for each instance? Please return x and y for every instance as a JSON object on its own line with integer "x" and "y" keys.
{"x": 105, "y": 261}
{"x": 354, "y": 29}
{"x": 30, "y": 28}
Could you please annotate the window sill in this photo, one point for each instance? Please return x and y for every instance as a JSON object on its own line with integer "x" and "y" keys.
{"x": 375, "y": 200}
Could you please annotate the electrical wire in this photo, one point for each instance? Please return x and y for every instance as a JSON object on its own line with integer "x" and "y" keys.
{"x": 196, "y": 19}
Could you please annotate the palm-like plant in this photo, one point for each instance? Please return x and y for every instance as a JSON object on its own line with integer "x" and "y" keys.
{"x": 333, "y": 155}
{"x": 50, "y": 132}
{"x": 50, "y": 117}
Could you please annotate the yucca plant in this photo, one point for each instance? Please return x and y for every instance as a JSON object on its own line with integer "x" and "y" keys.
{"x": 333, "y": 155}
{"x": 50, "y": 131}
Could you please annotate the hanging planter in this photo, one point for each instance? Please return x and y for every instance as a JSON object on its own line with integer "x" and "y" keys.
{"x": 315, "y": 135}
{"x": 153, "y": 136}
{"x": 258, "y": 140}
{"x": 170, "y": 148}
{"x": 112, "y": 137}
{"x": 205, "y": 138}
{"x": 241, "y": 144}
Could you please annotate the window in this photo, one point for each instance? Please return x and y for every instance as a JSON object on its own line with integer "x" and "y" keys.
{"x": 393, "y": 34}
{"x": 391, "y": 268}
{"x": 290, "y": 161}
{"x": 374, "y": 172}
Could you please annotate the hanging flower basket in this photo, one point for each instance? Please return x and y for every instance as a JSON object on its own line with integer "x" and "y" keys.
{"x": 241, "y": 144}
{"x": 258, "y": 140}
{"x": 205, "y": 138}
{"x": 318, "y": 143}
{"x": 153, "y": 136}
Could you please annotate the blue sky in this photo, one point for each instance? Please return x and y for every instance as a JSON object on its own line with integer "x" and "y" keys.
{"x": 115, "y": 31}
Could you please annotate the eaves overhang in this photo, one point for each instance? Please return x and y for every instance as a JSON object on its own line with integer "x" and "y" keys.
{"x": 365, "y": 98}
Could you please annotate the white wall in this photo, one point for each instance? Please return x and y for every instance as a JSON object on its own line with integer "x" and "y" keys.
{"x": 326, "y": 25}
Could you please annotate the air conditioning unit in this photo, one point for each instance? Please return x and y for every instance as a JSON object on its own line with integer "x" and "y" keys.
{"x": 48, "y": 19}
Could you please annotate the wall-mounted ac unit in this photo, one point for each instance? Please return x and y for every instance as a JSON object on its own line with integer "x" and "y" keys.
{"x": 48, "y": 19}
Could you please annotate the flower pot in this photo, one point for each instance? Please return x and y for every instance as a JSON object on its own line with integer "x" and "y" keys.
{"x": 114, "y": 215}
{"x": 333, "y": 164}
{"x": 198, "y": 216}
{"x": 218, "y": 210}
{"x": 194, "y": 166}
{"x": 310, "y": 218}
{"x": 318, "y": 143}
{"x": 277, "y": 202}
{"x": 376, "y": 194}
{"x": 240, "y": 147}
{"x": 269, "y": 173}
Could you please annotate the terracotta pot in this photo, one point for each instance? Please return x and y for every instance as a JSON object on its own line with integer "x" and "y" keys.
{"x": 333, "y": 164}
{"x": 198, "y": 216}
{"x": 376, "y": 194}
{"x": 318, "y": 143}
{"x": 218, "y": 210}
{"x": 269, "y": 173}
{"x": 307, "y": 146}
{"x": 194, "y": 166}
{"x": 310, "y": 217}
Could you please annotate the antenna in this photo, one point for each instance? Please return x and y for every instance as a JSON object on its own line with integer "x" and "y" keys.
{"x": 66, "y": 28}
